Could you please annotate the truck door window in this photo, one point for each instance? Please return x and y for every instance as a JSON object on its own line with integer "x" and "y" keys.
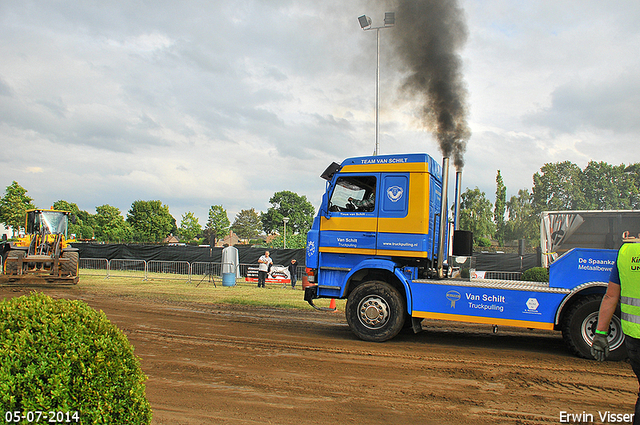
{"x": 354, "y": 193}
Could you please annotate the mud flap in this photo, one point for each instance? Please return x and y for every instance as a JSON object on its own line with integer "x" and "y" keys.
{"x": 310, "y": 294}
{"x": 416, "y": 324}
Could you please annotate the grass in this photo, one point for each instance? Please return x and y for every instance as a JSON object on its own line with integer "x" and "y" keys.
{"x": 177, "y": 288}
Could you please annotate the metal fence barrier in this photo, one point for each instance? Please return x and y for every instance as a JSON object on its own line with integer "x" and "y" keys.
{"x": 157, "y": 269}
{"x": 169, "y": 269}
{"x": 95, "y": 266}
{"x": 128, "y": 268}
{"x": 502, "y": 275}
{"x": 206, "y": 269}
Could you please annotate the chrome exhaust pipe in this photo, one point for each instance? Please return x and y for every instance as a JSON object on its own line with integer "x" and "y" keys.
{"x": 443, "y": 217}
{"x": 458, "y": 195}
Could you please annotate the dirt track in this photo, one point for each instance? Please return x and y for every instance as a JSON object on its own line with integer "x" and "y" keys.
{"x": 210, "y": 364}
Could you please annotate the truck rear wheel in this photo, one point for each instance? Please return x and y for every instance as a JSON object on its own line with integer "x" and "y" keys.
{"x": 579, "y": 325}
{"x": 375, "y": 311}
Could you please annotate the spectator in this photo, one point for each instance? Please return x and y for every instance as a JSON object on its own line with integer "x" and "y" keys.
{"x": 264, "y": 264}
{"x": 293, "y": 270}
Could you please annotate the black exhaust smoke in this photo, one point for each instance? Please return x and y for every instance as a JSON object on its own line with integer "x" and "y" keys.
{"x": 427, "y": 38}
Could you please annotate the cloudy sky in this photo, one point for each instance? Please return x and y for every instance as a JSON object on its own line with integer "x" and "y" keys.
{"x": 198, "y": 103}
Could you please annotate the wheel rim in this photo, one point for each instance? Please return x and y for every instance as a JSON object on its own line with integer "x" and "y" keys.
{"x": 373, "y": 312}
{"x": 615, "y": 336}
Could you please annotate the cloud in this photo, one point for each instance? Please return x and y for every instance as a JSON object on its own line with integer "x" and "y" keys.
{"x": 609, "y": 105}
{"x": 204, "y": 103}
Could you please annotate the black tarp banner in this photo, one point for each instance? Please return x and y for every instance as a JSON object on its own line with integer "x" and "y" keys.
{"x": 190, "y": 253}
{"x": 248, "y": 255}
{"x": 494, "y": 261}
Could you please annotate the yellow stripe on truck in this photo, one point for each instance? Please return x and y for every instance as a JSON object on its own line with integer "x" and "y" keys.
{"x": 485, "y": 320}
{"x": 405, "y": 167}
{"x": 347, "y": 250}
{"x": 349, "y": 224}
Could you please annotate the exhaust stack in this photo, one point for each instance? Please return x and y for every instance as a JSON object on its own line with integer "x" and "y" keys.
{"x": 458, "y": 195}
{"x": 443, "y": 217}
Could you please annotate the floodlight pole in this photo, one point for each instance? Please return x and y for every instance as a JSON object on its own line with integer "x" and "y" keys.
{"x": 365, "y": 24}
{"x": 285, "y": 220}
{"x": 377, "y": 91}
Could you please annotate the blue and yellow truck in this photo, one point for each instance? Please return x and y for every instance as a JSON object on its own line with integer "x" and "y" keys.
{"x": 380, "y": 241}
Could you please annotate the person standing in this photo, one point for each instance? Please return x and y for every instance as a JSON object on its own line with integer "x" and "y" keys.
{"x": 293, "y": 270}
{"x": 264, "y": 263}
{"x": 624, "y": 286}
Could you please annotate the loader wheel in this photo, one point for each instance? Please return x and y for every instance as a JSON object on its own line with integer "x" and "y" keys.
{"x": 11, "y": 263}
{"x": 375, "y": 311}
{"x": 579, "y": 326}
{"x": 70, "y": 268}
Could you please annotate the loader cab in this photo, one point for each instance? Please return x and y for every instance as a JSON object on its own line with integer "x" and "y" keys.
{"x": 47, "y": 221}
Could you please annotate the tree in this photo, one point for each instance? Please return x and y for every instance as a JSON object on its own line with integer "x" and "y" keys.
{"x": 288, "y": 204}
{"x": 110, "y": 225}
{"x": 632, "y": 173}
{"x": 475, "y": 213}
{"x": 609, "y": 187}
{"x": 297, "y": 241}
{"x": 523, "y": 222}
{"x": 151, "y": 221}
{"x": 218, "y": 224}
{"x": 189, "y": 226}
{"x": 558, "y": 187}
{"x": 81, "y": 223}
{"x": 14, "y": 205}
{"x": 499, "y": 208}
{"x": 247, "y": 224}
{"x": 600, "y": 186}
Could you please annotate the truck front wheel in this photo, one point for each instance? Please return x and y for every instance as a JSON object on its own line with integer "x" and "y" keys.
{"x": 579, "y": 326}
{"x": 375, "y": 311}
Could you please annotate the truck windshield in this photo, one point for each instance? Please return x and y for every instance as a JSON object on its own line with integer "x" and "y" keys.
{"x": 354, "y": 193}
{"x": 55, "y": 222}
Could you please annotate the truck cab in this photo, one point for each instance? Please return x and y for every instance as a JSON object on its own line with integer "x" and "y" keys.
{"x": 380, "y": 241}
{"x": 373, "y": 210}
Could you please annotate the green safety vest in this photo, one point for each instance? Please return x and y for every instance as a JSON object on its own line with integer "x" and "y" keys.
{"x": 629, "y": 268}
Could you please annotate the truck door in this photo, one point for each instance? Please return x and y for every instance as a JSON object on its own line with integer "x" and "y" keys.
{"x": 352, "y": 221}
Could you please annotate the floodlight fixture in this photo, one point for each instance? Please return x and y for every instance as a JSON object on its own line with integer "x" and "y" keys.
{"x": 365, "y": 21}
{"x": 389, "y": 19}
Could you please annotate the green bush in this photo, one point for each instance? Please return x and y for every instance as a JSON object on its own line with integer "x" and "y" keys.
{"x": 483, "y": 242}
{"x": 63, "y": 356}
{"x": 536, "y": 274}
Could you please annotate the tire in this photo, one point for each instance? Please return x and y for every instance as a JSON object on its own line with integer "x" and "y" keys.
{"x": 375, "y": 311}
{"x": 70, "y": 268}
{"x": 11, "y": 262}
{"x": 579, "y": 325}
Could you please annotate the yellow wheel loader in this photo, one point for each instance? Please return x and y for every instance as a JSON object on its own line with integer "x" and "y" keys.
{"x": 43, "y": 254}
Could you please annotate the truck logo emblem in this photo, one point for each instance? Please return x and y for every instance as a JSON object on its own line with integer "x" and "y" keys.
{"x": 311, "y": 249}
{"x": 394, "y": 193}
{"x": 453, "y": 296}
{"x": 532, "y": 304}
